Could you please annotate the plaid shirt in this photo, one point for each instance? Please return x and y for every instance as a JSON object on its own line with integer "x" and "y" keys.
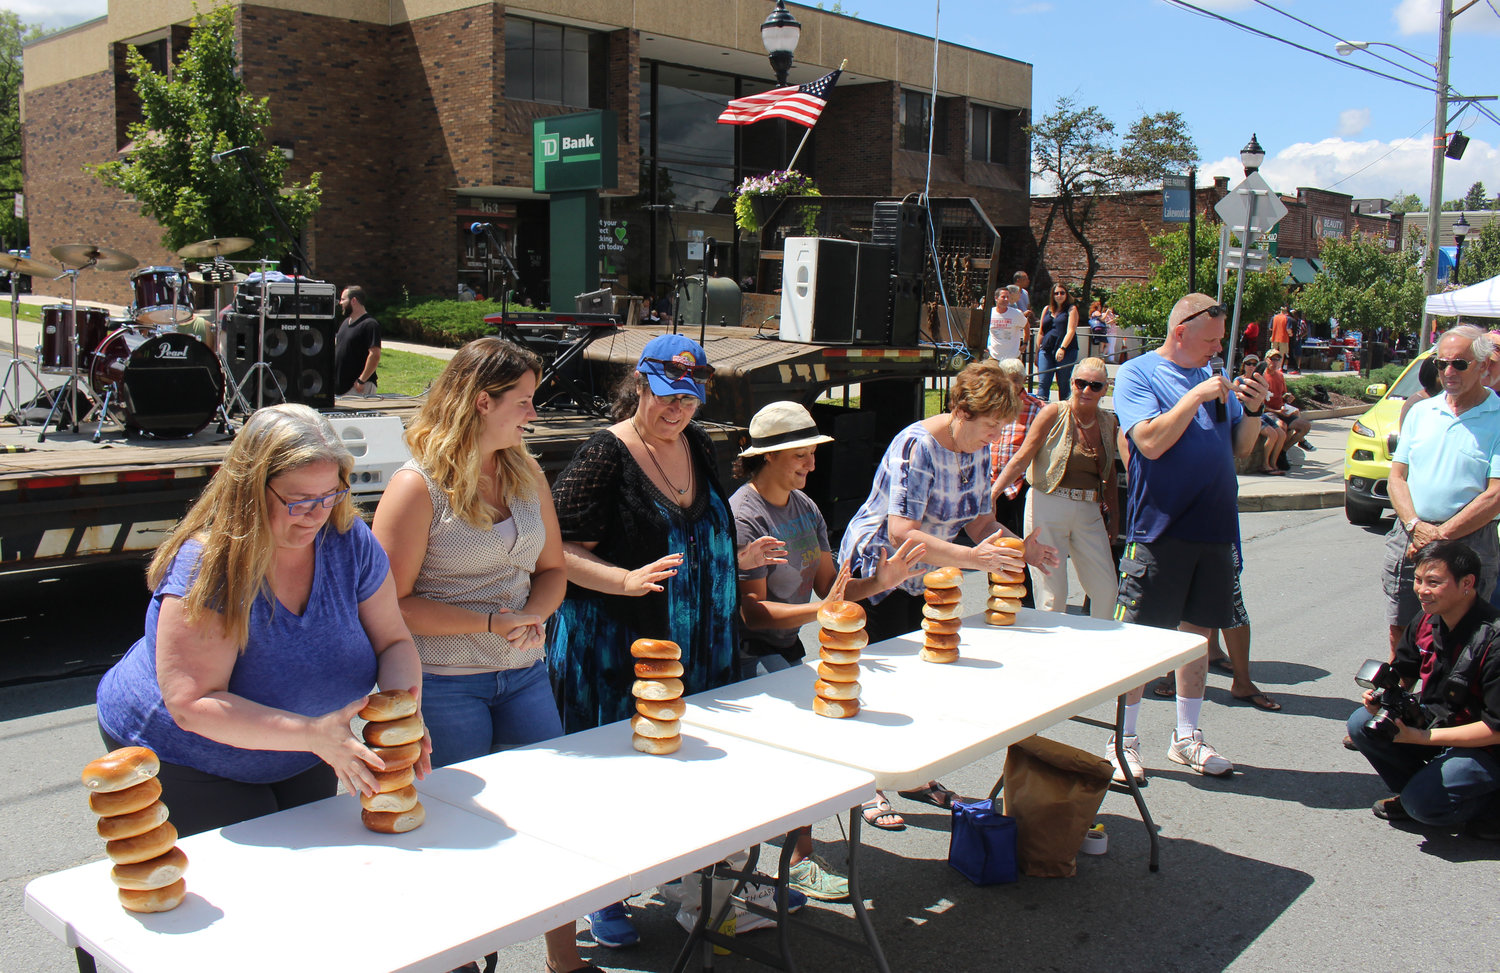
{"x": 1011, "y": 439}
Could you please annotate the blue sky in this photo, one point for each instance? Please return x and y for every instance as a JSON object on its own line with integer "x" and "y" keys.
{"x": 1323, "y": 123}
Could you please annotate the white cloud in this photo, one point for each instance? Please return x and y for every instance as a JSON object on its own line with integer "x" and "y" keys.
{"x": 1364, "y": 169}
{"x": 1421, "y": 17}
{"x": 1352, "y": 121}
{"x": 56, "y": 13}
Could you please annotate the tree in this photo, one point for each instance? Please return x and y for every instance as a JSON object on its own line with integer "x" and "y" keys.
{"x": 1366, "y": 286}
{"x": 1475, "y": 198}
{"x": 1075, "y": 149}
{"x": 1481, "y": 255}
{"x": 13, "y": 35}
{"x": 203, "y": 108}
{"x": 1406, "y": 202}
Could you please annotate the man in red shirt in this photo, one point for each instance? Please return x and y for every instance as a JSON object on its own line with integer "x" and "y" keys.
{"x": 1280, "y": 404}
{"x": 1281, "y": 337}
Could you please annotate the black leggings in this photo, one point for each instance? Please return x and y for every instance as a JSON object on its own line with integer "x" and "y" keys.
{"x": 898, "y": 613}
{"x": 201, "y": 802}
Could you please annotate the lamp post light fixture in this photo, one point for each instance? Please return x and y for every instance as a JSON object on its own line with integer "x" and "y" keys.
{"x": 1460, "y": 230}
{"x": 1252, "y": 155}
{"x": 780, "y": 34}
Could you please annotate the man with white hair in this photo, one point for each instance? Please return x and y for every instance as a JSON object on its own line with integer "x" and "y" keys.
{"x": 1445, "y": 475}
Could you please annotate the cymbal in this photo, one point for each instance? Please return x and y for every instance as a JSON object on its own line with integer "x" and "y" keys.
{"x": 25, "y": 265}
{"x": 82, "y": 254}
{"x": 216, "y": 247}
{"x": 198, "y": 278}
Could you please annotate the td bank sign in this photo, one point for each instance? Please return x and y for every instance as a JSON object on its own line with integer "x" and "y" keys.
{"x": 574, "y": 152}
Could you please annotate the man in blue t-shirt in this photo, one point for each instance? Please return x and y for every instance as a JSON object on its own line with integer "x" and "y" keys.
{"x": 1184, "y": 426}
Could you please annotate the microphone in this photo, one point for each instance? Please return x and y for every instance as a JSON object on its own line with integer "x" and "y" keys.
{"x": 219, "y": 156}
{"x": 478, "y": 228}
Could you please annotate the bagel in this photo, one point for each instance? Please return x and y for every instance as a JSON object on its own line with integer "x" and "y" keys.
{"x": 393, "y": 780}
{"x": 661, "y": 709}
{"x": 937, "y": 640}
{"x": 939, "y": 655}
{"x": 152, "y": 844}
{"x": 836, "y": 690}
{"x": 943, "y": 578}
{"x": 154, "y": 873}
{"x": 841, "y": 616}
{"x": 943, "y": 596}
{"x": 834, "y": 672}
{"x": 942, "y": 611}
{"x": 393, "y": 704}
{"x": 1018, "y": 576}
{"x": 942, "y": 626}
{"x": 1014, "y": 543}
{"x": 655, "y": 649}
{"x": 110, "y": 803}
{"x": 1007, "y": 605}
{"x": 658, "y": 669}
{"x": 839, "y": 657}
{"x": 645, "y": 726}
{"x": 999, "y": 618}
{"x": 843, "y": 640}
{"x": 1007, "y": 590}
{"x": 120, "y": 769}
{"x": 657, "y": 746}
{"x": 395, "y": 822}
{"x": 399, "y": 758}
{"x": 132, "y": 824}
{"x": 838, "y": 709}
{"x": 394, "y": 733}
{"x": 154, "y": 900}
{"x": 656, "y": 688}
{"x": 396, "y": 801}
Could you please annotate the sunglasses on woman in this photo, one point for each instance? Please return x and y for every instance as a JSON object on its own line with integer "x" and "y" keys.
{"x": 677, "y": 370}
{"x": 301, "y": 508}
{"x": 1094, "y": 386}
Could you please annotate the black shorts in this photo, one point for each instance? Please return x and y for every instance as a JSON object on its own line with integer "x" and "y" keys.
{"x": 1167, "y": 582}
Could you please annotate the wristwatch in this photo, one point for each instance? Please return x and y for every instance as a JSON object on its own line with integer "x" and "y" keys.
{"x": 1411, "y": 525}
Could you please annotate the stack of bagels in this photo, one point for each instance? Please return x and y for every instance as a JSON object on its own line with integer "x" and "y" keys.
{"x": 394, "y": 733}
{"x": 124, "y": 792}
{"x": 840, "y": 639}
{"x": 1006, "y": 588}
{"x": 942, "y": 616}
{"x": 656, "y": 727}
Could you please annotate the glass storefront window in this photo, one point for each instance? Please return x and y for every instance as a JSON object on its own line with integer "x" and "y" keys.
{"x": 552, "y": 63}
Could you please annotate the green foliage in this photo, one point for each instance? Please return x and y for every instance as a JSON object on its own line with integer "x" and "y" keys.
{"x": 439, "y": 321}
{"x": 1365, "y": 286}
{"x": 757, "y": 190}
{"x": 1350, "y": 384}
{"x": 13, "y": 35}
{"x": 1406, "y": 202}
{"x": 1476, "y": 198}
{"x": 1481, "y": 255}
{"x": 203, "y": 108}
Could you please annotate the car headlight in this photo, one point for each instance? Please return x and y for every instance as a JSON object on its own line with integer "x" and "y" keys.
{"x": 1363, "y": 430}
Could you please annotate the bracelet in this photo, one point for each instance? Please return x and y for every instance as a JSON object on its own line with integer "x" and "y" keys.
{"x": 1256, "y": 414}
{"x": 488, "y": 621}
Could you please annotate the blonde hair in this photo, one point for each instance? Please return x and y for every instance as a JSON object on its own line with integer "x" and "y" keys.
{"x": 231, "y": 517}
{"x": 1092, "y": 364}
{"x": 983, "y": 388}
{"x": 444, "y": 437}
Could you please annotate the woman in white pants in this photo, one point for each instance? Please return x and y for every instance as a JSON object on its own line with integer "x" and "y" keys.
{"x": 1069, "y": 460}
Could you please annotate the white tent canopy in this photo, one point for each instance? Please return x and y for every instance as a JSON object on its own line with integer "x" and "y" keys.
{"x": 1476, "y": 300}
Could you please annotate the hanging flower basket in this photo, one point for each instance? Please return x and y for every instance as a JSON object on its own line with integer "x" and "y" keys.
{"x": 757, "y": 199}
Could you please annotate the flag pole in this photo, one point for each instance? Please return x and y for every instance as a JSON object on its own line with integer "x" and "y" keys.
{"x": 808, "y": 133}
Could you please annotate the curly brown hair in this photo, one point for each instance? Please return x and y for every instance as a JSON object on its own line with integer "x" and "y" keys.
{"x": 983, "y": 388}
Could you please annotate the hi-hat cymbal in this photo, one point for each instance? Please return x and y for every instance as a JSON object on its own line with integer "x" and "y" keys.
{"x": 234, "y": 277}
{"x": 86, "y": 254}
{"x": 216, "y": 247}
{"x": 25, "y": 265}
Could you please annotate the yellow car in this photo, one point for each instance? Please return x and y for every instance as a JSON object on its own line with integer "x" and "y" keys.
{"x": 1367, "y": 454}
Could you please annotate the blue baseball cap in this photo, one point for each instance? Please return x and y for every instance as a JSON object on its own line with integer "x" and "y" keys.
{"x": 678, "y": 350}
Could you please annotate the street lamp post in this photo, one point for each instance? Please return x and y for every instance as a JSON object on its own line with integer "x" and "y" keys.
{"x": 1460, "y": 230}
{"x": 780, "y": 34}
{"x": 1252, "y": 155}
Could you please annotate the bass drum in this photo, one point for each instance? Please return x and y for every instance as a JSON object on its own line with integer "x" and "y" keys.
{"x": 167, "y": 384}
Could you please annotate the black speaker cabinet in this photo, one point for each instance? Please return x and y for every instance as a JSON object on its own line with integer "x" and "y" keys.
{"x": 906, "y": 310}
{"x": 299, "y": 352}
{"x": 902, "y": 226}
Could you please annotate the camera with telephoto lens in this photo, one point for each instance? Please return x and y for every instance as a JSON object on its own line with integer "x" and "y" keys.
{"x": 1395, "y": 703}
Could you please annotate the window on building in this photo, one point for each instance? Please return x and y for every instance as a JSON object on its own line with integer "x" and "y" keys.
{"x": 990, "y": 134}
{"x": 916, "y": 112}
{"x": 552, "y": 63}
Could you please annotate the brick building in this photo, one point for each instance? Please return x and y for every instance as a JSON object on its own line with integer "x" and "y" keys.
{"x": 419, "y": 117}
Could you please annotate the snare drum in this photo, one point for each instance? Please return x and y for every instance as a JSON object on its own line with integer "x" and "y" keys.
{"x": 162, "y": 296}
{"x": 57, "y": 336}
{"x": 164, "y": 383}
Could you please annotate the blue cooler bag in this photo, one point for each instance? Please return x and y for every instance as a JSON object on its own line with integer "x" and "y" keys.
{"x": 983, "y": 844}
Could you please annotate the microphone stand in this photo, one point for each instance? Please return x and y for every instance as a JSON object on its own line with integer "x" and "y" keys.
{"x": 709, "y": 258}
{"x": 508, "y": 271}
{"x": 679, "y": 271}
{"x": 17, "y": 364}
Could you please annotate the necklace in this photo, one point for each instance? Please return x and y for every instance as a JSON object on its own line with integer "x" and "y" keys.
{"x": 1085, "y": 427}
{"x": 650, "y": 452}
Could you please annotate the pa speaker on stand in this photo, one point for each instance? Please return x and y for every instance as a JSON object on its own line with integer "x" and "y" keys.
{"x": 298, "y": 352}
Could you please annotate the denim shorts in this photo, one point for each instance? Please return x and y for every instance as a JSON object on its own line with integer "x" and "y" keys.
{"x": 470, "y": 716}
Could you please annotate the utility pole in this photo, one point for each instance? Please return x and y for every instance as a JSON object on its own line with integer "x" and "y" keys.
{"x": 1439, "y": 146}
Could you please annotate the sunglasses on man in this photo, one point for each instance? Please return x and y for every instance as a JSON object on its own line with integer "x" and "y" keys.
{"x": 1213, "y": 311}
{"x": 1459, "y": 364}
{"x": 677, "y": 370}
{"x": 1094, "y": 386}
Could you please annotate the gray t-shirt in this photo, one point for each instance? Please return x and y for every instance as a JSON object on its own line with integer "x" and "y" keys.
{"x": 800, "y": 526}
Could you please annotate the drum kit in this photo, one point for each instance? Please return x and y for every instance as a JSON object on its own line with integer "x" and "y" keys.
{"x": 146, "y": 369}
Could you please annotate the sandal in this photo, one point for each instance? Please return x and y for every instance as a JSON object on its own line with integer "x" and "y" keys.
{"x": 1165, "y": 689}
{"x": 1259, "y": 700}
{"x": 879, "y": 810}
{"x": 934, "y": 793}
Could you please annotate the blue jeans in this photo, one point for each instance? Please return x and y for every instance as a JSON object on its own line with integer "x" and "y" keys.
{"x": 1443, "y": 787}
{"x": 1047, "y": 368}
{"x": 470, "y": 716}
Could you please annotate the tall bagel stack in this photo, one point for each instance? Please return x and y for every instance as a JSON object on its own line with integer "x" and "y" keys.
{"x": 942, "y": 615}
{"x": 1006, "y": 588}
{"x": 394, "y": 732}
{"x": 656, "y": 727}
{"x": 139, "y": 839}
{"x": 840, "y": 639}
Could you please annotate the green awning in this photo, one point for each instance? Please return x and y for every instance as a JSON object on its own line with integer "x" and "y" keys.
{"x": 1302, "y": 271}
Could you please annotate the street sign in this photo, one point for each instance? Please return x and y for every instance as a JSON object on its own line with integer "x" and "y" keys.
{"x": 1251, "y": 260}
{"x": 1176, "y": 199}
{"x": 1234, "y": 209}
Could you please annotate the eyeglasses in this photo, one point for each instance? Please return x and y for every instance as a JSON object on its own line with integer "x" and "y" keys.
{"x": 1081, "y": 384}
{"x": 1213, "y": 311}
{"x": 677, "y": 370}
{"x": 301, "y": 508}
{"x": 1459, "y": 364}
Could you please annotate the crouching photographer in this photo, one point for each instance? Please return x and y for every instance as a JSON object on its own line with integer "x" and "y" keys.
{"x": 1439, "y": 751}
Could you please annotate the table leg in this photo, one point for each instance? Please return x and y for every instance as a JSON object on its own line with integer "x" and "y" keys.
{"x": 856, "y": 898}
{"x": 1135, "y": 789}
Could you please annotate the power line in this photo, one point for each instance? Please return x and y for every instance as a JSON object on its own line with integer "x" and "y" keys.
{"x": 1343, "y": 40}
{"x": 1394, "y": 146}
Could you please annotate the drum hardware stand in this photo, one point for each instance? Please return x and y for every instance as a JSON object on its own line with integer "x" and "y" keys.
{"x": 10, "y": 386}
{"x": 70, "y": 387}
{"x": 260, "y": 355}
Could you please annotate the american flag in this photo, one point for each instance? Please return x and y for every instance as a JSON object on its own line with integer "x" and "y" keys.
{"x": 802, "y": 104}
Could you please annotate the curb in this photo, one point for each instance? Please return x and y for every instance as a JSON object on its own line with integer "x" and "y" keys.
{"x": 1323, "y": 498}
{"x": 1348, "y": 410}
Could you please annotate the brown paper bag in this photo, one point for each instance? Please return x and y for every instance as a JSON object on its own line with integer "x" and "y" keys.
{"x": 1053, "y": 791}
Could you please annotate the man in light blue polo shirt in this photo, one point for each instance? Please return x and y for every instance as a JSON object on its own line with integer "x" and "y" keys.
{"x": 1445, "y": 476}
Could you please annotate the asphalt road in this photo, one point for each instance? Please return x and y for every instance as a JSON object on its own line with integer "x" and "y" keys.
{"x": 1280, "y": 867}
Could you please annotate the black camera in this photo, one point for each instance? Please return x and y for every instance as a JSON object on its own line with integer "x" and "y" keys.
{"x": 1395, "y": 703}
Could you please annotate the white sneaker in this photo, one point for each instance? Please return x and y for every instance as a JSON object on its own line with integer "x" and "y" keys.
{"x": 1132, "y": 750}
{"x": 1195, "y": 752}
